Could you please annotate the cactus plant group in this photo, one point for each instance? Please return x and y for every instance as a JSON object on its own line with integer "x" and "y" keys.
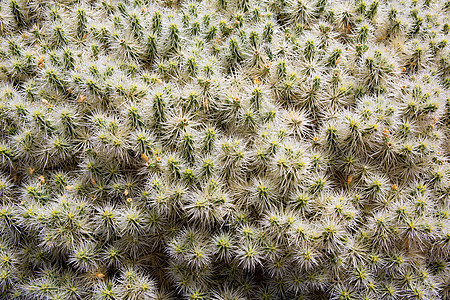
{"x": 224, "y": 149}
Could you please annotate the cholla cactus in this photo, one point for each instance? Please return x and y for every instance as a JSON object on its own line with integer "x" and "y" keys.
{"x": 224, "y": 149}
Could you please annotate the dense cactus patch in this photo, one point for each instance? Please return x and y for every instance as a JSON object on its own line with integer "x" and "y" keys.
{"x": 224, "y": 149}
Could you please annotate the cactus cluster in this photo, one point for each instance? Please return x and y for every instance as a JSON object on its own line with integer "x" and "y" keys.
{"x": 224, "y": 149}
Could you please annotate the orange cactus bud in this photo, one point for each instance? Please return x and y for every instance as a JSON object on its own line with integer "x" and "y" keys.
{"x": 349, "y": 179}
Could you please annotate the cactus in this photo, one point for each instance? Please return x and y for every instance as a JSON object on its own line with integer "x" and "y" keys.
{"x": 233, "y": 149}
